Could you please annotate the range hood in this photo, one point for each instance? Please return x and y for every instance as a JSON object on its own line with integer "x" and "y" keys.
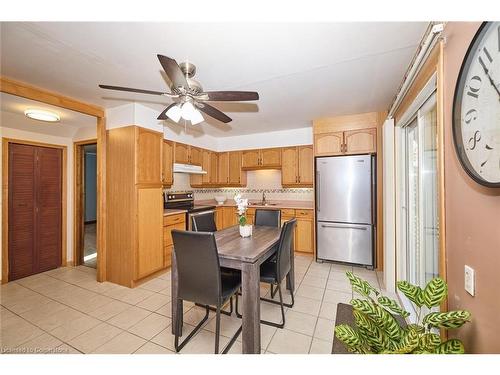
{"x": 188, "y": 168}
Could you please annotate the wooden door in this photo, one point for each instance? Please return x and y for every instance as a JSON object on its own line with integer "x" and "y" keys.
{"x": 148, "y": 157}
{"x": 35, "y": 210}
{"x": 223, "y": 169}
{"x": 289, "y": 166}
{"x": 181, "y": 152}
{"x": 149, "y": 251}
{"x": 305, "y": 165}
{"x": 304, "y": 235}
{"x": 167, "y": 163}
{"x": 235, "y": 167}
{"x": 229, "y": 217}
{"x": 361, "y": 141}
{"x": 329, "y": 143}
{"x": 250, "y": 159}
{"x": 195, "y": 156}
{"x": 219, "y": 218}
{"x": 270, "y": 157}
{"x": 206, "y": 165}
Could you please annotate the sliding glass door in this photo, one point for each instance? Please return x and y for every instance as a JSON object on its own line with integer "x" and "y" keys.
{"x": 418, "y": 245}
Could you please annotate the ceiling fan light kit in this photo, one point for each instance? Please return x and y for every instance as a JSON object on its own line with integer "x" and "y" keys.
{"x": 188, "y": 95}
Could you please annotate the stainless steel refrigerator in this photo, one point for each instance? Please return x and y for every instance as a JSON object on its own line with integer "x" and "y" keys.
{"x": 345, "y": 209}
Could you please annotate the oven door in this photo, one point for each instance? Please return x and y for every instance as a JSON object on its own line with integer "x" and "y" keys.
{"x": 190, "y": 216}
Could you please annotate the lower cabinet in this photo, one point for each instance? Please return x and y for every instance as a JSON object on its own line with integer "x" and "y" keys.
{"x": 304, "y": 231}
{"x": 170, "y": 222}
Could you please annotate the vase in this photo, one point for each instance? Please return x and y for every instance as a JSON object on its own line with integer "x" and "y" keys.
{"x": 245, "y": 230}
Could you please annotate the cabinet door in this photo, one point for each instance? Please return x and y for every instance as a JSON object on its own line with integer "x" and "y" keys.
{"x": 206, "y": 165}
{"x": 270, "y": 157}
{"x": 361, "y": 141}
{"x": 229, "y": 217}
{"x": 148, "y": 156}
{"x": 329, "y": 143}
{"x": 181, "y": 153}
{"x": 289, "y": 166}
{"x": 223, "y": 169}
{"x": 195, "y": 157}
{"x": 167, "y": 163}
{"x": 305, "y": 165}
{"x": 304, "y": 236}
{"x": 219, "y": 218}
{"x": 214, "y": 160}
{"x": 250, "y": 159}
{"x": 149, "y": 255}
{"x": 235, "y": 167}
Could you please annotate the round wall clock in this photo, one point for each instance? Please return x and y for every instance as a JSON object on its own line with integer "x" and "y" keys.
{"x": 476, "y": 107}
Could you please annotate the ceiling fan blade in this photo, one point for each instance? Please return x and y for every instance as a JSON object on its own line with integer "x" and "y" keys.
{"x": 173, "y": 71}
{"x": 213, "y": 112}
{"x": 163, "y": 115}
{"x": 119, "y": 88}
{"x": 231, "y": 96}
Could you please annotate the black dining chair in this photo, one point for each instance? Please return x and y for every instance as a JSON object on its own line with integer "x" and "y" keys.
{"x": 200, "y": 280}
{"x": 205, "y": 222}
{"x": 274, "y": 272}
{"x": 269, "y": 218}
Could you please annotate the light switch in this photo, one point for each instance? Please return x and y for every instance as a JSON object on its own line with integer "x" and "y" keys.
{"x": 469, "y": 280}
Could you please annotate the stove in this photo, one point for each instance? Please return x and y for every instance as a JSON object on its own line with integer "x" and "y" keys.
{"x": 185, "y": 201}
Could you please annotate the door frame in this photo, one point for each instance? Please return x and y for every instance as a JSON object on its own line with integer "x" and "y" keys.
{"x": 5, "y": 200}
{"x": 78, "y": 201}
{"x": 24, "y": 90}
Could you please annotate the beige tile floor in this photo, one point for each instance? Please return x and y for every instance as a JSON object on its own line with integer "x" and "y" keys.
{"x": 66, "y": 311}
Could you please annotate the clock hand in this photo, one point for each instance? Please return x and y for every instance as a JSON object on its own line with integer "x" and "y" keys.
{"x": 491, "y": 81}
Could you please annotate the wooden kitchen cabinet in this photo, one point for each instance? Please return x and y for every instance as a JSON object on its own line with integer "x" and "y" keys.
{"x": 214, "y": 162}
{"x": 170, "y": 222}
{"x": 359, "y": 141}
{"x": 148, "y": 168}
{"x": 219, "y": 218}
{"x": 229, "y": 217}
{"x": 297, "y": 166}
{"x": 134, "y": 205}
{"x": 237, "y": 177}
{"x": 267, "y": 158}
{"x": 223, "y": 169}
{"x": 200, "y": 180}
{"x": 167, "y": 163}
{"x": 195, "y": 155}
{"x": 181, "y": 153}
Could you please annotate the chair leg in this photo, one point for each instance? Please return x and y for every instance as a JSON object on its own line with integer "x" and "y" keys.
{"x": 273, "y": 291}
{"x": 229, "y": 313}
{"x": 273, "y": 324}
{"x": 178, "y": 346}
{"x": 217, "y": 330}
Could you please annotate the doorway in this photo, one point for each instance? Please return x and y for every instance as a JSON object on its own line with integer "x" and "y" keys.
{"x": 34, "y": 197}
{"x": 86, "y": 203}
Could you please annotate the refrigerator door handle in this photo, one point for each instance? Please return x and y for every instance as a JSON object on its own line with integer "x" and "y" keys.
{"x": 318, "y": 184}
{"x": 343, "y": 226}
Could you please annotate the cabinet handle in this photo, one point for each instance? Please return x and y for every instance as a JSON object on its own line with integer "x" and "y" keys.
{"x": 296, "y": 179}
{"x": 299, "y": 178}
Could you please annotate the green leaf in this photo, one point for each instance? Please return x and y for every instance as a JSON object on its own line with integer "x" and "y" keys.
{"x": 361, "y": 286}
{"x": 370, "y": 333}
{"x": 450, "y": 319}
{"x": 452, "y": 346}
{"x": 408, "y": 343}
{"x": 392, "y": 306}
{"x": 429, "y": 341}
{"x": 380, "y": 316}
{"x": 435, "y": 292}
{"x": 417, "y": 328}
{"x": 348, "y": 336}
{"x": 412, "y": 292}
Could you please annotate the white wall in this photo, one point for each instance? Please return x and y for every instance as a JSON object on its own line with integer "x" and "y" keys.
{"x": 64, "y": 141}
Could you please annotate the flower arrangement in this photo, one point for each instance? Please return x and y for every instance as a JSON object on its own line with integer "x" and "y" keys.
{"x": 241, "y": 207}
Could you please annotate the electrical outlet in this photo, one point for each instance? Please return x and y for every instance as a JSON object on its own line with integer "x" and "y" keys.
{"x": 469, "y": 280}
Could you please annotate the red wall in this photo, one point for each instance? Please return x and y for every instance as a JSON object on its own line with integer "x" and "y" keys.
{"x": 472, "y": 220}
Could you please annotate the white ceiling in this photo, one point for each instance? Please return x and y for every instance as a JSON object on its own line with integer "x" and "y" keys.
{"x": 302, "y": 71}
{"x": 12, "y": 116}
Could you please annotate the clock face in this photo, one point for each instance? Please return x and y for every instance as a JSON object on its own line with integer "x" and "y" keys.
{"x": 476, "y": 118}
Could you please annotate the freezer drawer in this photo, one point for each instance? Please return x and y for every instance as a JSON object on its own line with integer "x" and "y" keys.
{"x": 352, "y": 243}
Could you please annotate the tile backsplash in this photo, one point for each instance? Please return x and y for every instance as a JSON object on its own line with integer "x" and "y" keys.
{"x": 268, "y": 181}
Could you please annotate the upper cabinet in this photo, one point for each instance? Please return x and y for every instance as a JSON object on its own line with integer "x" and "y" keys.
{"x": 209, "y": 165}
{"x": 297, "y": 166}
{"x": 186, "y": 154}
{"x": 223, "y": 169}
{"x": 148, "y": 158}
{"x": 268, "y": 158}
{"x": 237, "y": 177}
{"x": 348, "y": 142}
{"x": 167, "y": 163}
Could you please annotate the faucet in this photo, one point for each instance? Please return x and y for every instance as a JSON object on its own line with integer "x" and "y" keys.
{"x": 264, "y": 197}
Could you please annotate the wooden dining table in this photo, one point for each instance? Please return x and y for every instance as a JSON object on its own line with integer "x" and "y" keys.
{"x": 245, "y": 254}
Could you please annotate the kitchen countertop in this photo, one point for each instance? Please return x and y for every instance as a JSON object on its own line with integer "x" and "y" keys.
{"x": 173, "y": 211}
{"x": 300, "y": 205}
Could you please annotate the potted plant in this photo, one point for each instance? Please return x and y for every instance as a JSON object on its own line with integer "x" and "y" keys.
{"x": 377, "y": 331}
{"x": 241, "y": 207}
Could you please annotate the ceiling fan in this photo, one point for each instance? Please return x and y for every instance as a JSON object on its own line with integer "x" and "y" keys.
{"x": 188, "y": 95}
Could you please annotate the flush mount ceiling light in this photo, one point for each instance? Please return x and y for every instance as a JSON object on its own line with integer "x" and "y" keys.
{"x": 41, "y": 115}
